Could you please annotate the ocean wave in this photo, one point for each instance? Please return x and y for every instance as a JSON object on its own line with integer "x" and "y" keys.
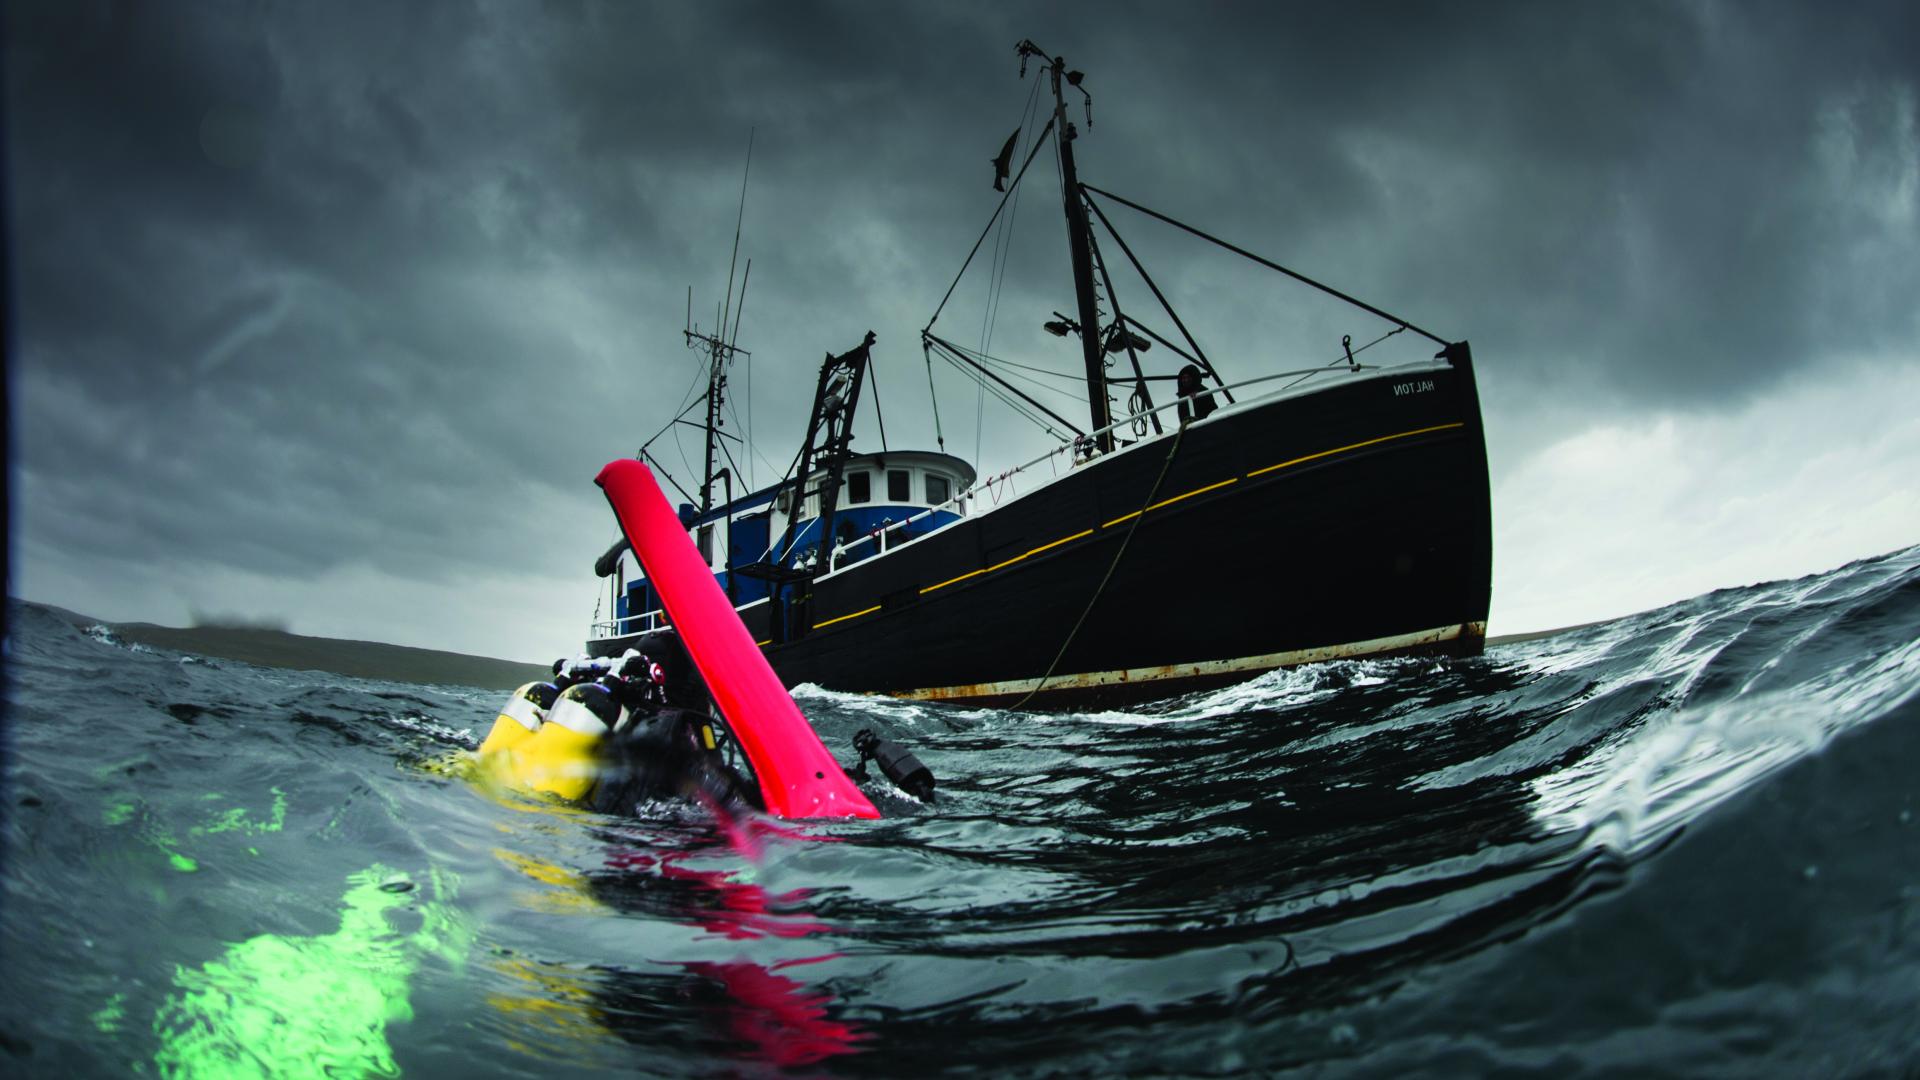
{"x": 1682, "y": 842}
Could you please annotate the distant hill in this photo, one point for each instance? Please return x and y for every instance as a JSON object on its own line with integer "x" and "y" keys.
{"x": 360, "y": 659}
{"x": 1536, "y": 635}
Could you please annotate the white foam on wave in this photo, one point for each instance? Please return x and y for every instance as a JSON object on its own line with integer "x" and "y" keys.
{"x": 1282, "y": 688}
{"x": 1633, "y": 792}
{"x": 429, "y": 727}
{"x": 894, "y": 710}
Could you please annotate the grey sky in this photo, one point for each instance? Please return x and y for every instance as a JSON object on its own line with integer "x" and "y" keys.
{"x": 329, "y": 312}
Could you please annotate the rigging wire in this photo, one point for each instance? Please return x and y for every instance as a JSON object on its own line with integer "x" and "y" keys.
{"x": 669, "y": 426}
{"x": 1344, "y": 357}
{"x": 683, "y": 454}
{"x": 751, "y": 450}
{"x": 993, "y": 293}
{"x": 1076, "y": 380}
{"x": 1140, "y": 401}
{"x": 654, "y": 464}
{"x": 956, "y": 357}
{"x": 926, "y": 350}
{"x": 1165, "y": 305}
{"x": 996, "y": 279}
{"x": 1037, "y": 385}
{"x": 792, "y": 465}
{"x": 763, "y": 461}
{"x": 873, "y": 376}
{"x": 1015, "y": 371}
{"x": 1011, "y": 188}
{"x": 686, "y": 399}
{"x": 1268, "y": 263}
{"x": 1009, "y": 196}
{"x": 1015, "y": 404}
{"x": 735, "y": 413}
{"x": 732, "y": 466}
{"x": 726, "y": 309}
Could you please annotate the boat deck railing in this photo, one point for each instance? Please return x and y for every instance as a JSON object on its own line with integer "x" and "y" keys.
{"x": 647, "y": 622}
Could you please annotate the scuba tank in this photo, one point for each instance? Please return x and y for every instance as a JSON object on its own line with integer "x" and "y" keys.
{"x": 562, "y": 757}
{"x": 514, "y": 751}
{"x": 526, "y": 710}
{"x": 520, "y": 717}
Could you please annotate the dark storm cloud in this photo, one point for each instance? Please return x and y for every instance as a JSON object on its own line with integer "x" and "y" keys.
{"x": 301, "y": 286}
{"x": 240, "y": 243}
{"x": 1645, "y": 188}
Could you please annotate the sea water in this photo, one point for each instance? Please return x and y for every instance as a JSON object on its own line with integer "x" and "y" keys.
{"x": 1680, "y": 843}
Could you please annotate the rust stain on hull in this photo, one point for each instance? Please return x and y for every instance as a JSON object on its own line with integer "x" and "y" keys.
{"x": 1146, "y": 683}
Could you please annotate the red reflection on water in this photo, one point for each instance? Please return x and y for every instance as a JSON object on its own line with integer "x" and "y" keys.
{"x": 784, "y": 1020}
{"x": 747, "y": 833}
{"x": 736, "y": 910}
{"x": 773, "y": 1017}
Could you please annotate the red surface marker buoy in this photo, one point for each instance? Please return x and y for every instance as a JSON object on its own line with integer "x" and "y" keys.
{"x": 799, "y": 778}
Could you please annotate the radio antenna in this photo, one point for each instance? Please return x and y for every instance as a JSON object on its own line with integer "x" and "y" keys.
{"x": 721, "y": 349}
{"x": 734, "y": 261}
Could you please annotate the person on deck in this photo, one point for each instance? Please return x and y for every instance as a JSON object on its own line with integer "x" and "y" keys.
{"x": 1194, "y": 403}
{"x": 844, "y": 536}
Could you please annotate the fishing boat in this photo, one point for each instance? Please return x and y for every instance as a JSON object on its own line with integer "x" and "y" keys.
{"x": 1223, "y": 529}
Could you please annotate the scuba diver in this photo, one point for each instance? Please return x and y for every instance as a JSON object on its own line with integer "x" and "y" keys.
{"x": 615, "y": 733}
{"x": 618, "y": 733}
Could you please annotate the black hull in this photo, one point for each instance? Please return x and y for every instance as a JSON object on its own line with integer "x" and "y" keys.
{"x": 1354, "y": 521}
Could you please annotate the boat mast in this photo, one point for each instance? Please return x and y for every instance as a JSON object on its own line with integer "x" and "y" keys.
{"x": 720, "y": 352}
{"x": 1080, "y": 239}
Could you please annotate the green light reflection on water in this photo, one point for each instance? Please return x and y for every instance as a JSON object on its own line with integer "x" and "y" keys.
{"x": 235, "y": 820}
{"x": 276, "y": 1005}
{"x": 107, "y": 1018}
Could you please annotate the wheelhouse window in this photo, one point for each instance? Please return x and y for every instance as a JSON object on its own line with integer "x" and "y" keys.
{"x": 859, "y": 487}
{"x": 899, "y": 485}
{"x": 937, "y": 489}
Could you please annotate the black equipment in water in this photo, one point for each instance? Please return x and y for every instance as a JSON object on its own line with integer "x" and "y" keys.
{"x": 896, "y": 761}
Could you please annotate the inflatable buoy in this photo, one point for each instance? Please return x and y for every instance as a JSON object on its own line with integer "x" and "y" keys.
{"x": 798, "y": 777}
